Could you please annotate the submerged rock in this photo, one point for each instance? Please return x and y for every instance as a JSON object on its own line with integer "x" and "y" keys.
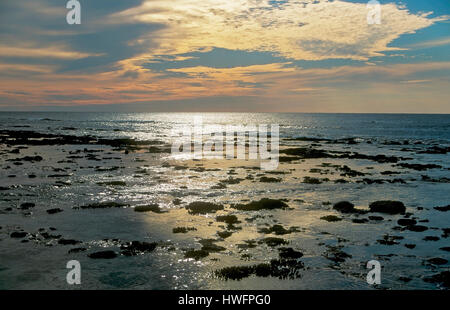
{"x": 360, "y": 221}
{"x": 104, "y": 205}
{"x": 442, "y": 278}
{"x": 336, "y": 255}
{"x": 229, "y": 219}
{"x": 224, "y": 234}
{"x": 289, "y": 253}
{"x": 273, "y": 241}
{"x": 112, "y": 183}
{"x": 311, "y": 180}
{"x": 263, "y": 204}
{"x": 437, "y": 261}
{"x": 306, "y": 153}
{"x": 431, "y": 238}
{"x": 149, "y": 208}
{"x": 331, "y": 218}
{"x": 387, "y": 206}
{"x": 183, "y": 230}
{"x": 278, "y": 230}
{"x": 418, "y": 167}
{"x": 209, "y": 246}
{"x": 279, "y": 268}
{"x": 389, "y": 240}
{"x": 196, "y": 254}
{"x": 28, "y": 158}
{"x": 265, "y": 179}
{"x": 416, "y": 228}
{"x": 137, "y": 247}
{"x": 235, "y": 273}
{"x": 68, "y": 242}
{"x": 203, "y": 207}
{"x": 76, "y": 250}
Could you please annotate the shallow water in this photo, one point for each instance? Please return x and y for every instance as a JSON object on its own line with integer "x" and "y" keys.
{"x": 38, "y": 262}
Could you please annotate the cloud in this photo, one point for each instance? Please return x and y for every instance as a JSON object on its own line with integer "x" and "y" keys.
{"x": 416, "y": 81}
{"x": 299, "y": 30}
{"x": 42, "y": 52}
{"x": 432, "y": 43}
{"x": 300, "y": 55}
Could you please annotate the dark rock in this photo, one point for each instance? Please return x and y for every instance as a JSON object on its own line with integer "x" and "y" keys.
{"x": 202, "y": 207}
{"x": 431, "y": 238}
{"x": 310, "y": 180}
{"x": 410, "y": 246}
{"x": 443, "y": 209}
{"x": 265, "y": 179}
{"x": 336, "y": 255}
{"x": 305, "y": 153}
{"x": 229, "y": 219}
{"x": 235, "y": 273}
{"x": 418, "y": 167}
{"x": 344, "y": 207}
{"x": 196, "y": 254}
{"x": 183, "y": 230}
{"x": 278, "y": 230}
{"x": 273, "y": 241}
{"x": 149, "y": 208}
{"x": 104, "y": 205}
{"x": 289, "y": 253}
{"x": 112, "y": 183}
{"x": 360, "y": 221}
{"x": 388, "y": 207}
{"x": 76, "y": 250}
{"x": 281, "y": 268}
{"x": 176, "y": 201}
{"x": 137, "y": 247}
{"x": 446, "y": 232}
{"x": 209, "y": 246}
{"x": 437, "y": 261}
{"x": 103, "y": 255}
{"x": 263, "y": 204}
{"x": 18, "y": 234}
{"x": 331, "y": 218}
{"x": 27, "y": 205}
{"x": 406, "y": 222}
{"x": 224, "y": 234}
{"x": 442, "y": 278}
{"x": 28, "y": 158}
{"x": 389, "y": 240}
{"x": 417, "y": 228}
{"x": 68, "y": 242}
{"x": 54, "y": 211}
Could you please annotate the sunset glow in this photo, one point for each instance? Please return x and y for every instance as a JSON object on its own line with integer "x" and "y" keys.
{"x": 241, "y": 55}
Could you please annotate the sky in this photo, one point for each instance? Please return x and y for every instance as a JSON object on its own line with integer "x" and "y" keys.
{"x": 225, "y": 56}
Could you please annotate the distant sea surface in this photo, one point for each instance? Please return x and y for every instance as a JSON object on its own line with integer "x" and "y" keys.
{"x": 433, "y": 128}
